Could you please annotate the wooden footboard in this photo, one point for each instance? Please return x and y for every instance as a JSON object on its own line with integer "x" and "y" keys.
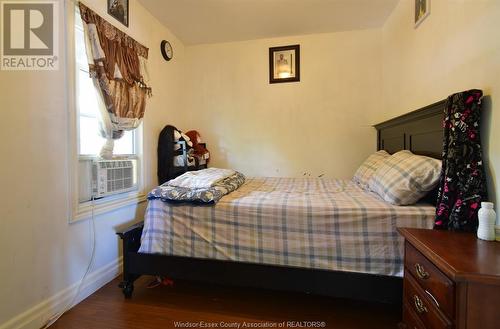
{"x": 131, "y": 239}
{"x": 349, "y": 285}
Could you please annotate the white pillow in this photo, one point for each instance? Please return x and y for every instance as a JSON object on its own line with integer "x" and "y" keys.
{"x": 368, "y": 168}
{"x": 404, "y": 178}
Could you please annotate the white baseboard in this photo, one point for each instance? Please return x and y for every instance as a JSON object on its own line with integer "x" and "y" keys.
{"x": 37, "y": 316}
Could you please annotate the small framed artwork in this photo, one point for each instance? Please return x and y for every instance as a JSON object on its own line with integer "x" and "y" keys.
{"x": 119, "y": 10}
{"x": 284, "y": 64}
{"x": 422, "y": 10}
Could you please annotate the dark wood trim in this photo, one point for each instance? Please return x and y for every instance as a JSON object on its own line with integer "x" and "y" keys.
{"x": 422, "y": 113}
{"x": 296, "y": 78}
{"x": 419, "y": 131}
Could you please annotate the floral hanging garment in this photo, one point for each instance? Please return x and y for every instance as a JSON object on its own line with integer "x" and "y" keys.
{"x": 462, "y": 186}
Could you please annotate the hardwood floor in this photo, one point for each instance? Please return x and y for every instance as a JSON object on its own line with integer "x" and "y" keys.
{"x": 191, "y": 302}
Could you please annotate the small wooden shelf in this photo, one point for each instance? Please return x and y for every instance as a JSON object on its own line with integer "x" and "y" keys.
{"x": 177, "y": 171}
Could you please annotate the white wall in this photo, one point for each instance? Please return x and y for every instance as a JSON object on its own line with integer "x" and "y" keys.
{"x": 40, "y": 253}
{"x": 456, "y": 48}
{"x": 320, "y": 125}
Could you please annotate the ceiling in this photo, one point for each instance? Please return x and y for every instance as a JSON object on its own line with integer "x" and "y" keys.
{"x": 212, "y": 21}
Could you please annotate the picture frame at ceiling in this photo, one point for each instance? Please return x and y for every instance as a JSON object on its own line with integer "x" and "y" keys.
{"x": 422, "y": 10}
{"x": 119, "y": 9}
{"x": 284, "y": 64}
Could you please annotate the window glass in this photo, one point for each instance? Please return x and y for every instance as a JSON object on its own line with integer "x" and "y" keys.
{"x": 90, "y": 141}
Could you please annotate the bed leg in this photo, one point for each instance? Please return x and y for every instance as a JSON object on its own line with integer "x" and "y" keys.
{"x": 127, "y": 285}
{"x": 131, "y": 238}
{"x": 127, "y": 288}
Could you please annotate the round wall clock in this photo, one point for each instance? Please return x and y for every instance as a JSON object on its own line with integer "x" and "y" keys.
{"x": 166, "y": 50}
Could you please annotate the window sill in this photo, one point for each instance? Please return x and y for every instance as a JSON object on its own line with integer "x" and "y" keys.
{"x": 98, "y": 207}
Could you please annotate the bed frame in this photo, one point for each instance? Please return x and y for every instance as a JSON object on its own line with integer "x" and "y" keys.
{"x": 419, "y": 131}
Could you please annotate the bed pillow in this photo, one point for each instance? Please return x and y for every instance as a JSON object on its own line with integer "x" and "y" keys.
{"x": 404, "y": 178}
{"x": 368, "y": 167}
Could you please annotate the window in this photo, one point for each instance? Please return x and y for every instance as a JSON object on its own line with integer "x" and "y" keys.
{"x": 89, "y": 139}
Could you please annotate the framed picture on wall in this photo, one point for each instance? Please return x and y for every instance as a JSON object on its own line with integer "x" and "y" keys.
{"x": 119, "y": 10}
{"x": 284, "y": 64}
{"x": 422, "y": 10}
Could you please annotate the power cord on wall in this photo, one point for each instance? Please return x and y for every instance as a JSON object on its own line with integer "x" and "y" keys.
{"x": 68, "y": 306}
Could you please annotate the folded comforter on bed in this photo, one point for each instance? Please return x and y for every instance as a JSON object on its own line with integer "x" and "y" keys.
{"x": 204, "y": 178}
{"x": 206, "y": 186}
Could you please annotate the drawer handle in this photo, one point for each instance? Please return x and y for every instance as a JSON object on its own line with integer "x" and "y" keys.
{"x": 421, "y": 273}
{"x": 419, "y": 305}
{"x": 432, "y": 297}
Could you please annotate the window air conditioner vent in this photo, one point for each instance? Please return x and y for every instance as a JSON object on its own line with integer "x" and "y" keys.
{"x": 112, "y": 177}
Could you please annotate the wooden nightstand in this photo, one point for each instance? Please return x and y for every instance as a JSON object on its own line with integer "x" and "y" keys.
{"x": 451, "y": 280}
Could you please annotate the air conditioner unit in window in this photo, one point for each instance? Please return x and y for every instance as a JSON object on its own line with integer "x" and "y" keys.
{"x": 112, "y": 177}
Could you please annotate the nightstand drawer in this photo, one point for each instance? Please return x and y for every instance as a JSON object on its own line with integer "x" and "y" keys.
{"x": 421, "y": 306}
{"x": 437, "y": 286}
{"x": 410, "y": 319}
{"x": 460, "y": 271}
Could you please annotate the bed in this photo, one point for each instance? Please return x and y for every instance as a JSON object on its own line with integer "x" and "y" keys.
{"x": 316, "y": 235}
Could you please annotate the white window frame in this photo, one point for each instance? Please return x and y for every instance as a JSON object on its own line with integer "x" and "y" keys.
{"x": 84, "y": 210}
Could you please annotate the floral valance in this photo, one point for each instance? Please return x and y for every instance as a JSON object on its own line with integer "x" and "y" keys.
{"x": 119, "y": 50}
{"x": 118, "y": 68}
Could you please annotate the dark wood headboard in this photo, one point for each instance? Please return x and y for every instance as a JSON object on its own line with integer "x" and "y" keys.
{"x": 420, "y": 131}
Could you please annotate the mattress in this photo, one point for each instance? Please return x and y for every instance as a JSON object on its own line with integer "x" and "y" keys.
{"x": 316, "y": 223}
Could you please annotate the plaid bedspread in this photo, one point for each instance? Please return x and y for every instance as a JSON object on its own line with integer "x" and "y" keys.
{"x": 316, "y": 223}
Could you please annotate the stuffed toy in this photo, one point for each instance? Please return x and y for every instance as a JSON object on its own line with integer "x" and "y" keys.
{"x": 180, "y": 136}
{"x": 200, "y": 151}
